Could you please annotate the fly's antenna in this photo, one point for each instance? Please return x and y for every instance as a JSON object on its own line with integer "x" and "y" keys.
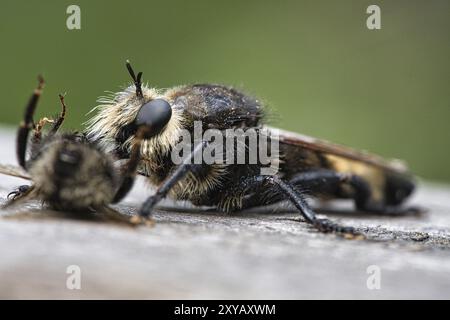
{"x": 137, "y": 80}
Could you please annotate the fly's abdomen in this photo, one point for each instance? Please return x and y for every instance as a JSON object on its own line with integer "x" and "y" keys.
{"x": 398, "y": 188}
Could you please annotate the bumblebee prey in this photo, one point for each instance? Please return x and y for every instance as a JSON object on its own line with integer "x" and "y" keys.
{"x": 307, "y": 166}
{"x": 69, "y": 172}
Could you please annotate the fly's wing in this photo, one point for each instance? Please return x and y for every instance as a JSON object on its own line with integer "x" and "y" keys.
{"x": 328, "y": 148}
{"x": 14, "y": 171}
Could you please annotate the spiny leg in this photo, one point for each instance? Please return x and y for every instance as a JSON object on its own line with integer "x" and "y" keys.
{"x": 287, "y": 191}
{"x": 316, "y": 181}
{"x": 179, "y": 173}
{"x": 300, "y": 203}
{"x": 308, "y": 182}
{"x": 27, "y": 124}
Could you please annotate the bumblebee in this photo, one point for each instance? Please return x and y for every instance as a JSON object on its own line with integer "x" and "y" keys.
{"x": 308, "y": 167}
{"x": 68, "y": 172}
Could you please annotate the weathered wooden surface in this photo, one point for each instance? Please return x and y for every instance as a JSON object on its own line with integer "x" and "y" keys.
{"x": 205, "y": 255}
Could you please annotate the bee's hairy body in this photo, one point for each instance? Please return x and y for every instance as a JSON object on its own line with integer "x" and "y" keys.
{"x": 67, "y": 171}
{"x": 86, "y": 180}
{"x": 220, "y": 107}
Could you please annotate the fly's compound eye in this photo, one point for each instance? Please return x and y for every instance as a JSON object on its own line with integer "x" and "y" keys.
{"x": 154, "y": 115}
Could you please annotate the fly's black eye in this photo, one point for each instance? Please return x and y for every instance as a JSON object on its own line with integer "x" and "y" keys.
{"x": 154, "y": 115}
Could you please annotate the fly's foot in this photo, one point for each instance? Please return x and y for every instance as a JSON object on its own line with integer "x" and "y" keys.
{"x": 328, "y": 226}
{"x": 148, "y": 206}
{"x": 17, "y": 193}
{"x": 140, "y": 220}
{"x": 143, "y": 218}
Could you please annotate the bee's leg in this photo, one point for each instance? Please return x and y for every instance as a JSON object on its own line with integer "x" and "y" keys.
{"x": 60, "y": 119}
{"x": 19, "y": 195}
{"x": 27, "y": 124}
{"x": 37, "y": 130}
{"x": 180, "y": 172}
{"x": 330, "y": 181}
{"x": 18, "y": 192}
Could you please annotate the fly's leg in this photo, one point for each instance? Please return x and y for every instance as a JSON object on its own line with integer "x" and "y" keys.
{"x": 316, "y": 181}
{"x": 280, "y": 190}
{"x": 322, "y": 180}
{"x": 299, "y": 201}
{"x": 179, "y": 173}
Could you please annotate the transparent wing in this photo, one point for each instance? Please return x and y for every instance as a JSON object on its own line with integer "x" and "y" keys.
{"x": 296, "y": 140}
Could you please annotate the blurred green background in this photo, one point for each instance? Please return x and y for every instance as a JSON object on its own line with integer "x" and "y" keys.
{"x": 315, "y": 63}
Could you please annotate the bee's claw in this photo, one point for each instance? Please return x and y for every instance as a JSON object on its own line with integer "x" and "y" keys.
{"x": 12, "y": 195}
{"x": 20, "y": 191}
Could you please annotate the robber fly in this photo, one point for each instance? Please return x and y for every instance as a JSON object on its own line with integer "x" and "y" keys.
{"x": 67, "y": 171}
{"x": 308, "y": 166}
